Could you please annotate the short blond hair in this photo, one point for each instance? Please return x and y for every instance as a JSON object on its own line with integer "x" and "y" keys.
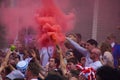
{"x": 111, "y": 36}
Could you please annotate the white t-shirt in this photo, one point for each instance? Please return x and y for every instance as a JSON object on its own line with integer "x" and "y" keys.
{"x": 95, "y": 65}
{"x": 45, "y": 54}
{"x": 108, "y": 58}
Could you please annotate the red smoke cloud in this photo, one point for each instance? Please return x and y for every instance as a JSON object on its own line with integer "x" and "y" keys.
{"x": 18, "y": 14}
{"x": 21, "y": 14}
{"x": 53, "y": 23}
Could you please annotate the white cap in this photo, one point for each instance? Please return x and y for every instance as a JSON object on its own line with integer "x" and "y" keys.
{"x": 22, "y": 66}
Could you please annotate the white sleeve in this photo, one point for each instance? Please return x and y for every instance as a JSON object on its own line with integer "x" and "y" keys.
{"x": 78, "y": 47}
{"x": 44, "y": 56}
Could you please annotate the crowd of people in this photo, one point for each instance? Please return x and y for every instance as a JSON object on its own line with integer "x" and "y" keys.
{"x": 75, "y": 60}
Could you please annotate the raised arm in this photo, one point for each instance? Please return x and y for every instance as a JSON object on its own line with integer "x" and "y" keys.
{"x": 4, "y": 64}
{"x": 42, "y": 73}
{"x": 62, "y": 63}
{"x": 78, "y": 47}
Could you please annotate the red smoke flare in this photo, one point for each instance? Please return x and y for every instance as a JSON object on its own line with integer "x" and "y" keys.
{"x": 53, "y": 23}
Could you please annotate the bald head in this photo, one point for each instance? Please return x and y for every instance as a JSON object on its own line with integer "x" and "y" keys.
{"x": 95, "y": 54}
{"x": 96, "y": 51}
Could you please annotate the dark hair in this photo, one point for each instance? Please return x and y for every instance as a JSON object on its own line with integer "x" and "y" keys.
{"x": 92, "y": 42}
{"x": 18, "y": 57}
{"x": 57, "y": 61}
{"x": 54, "y": 76}
{"x": 34, "y": 68}
{"x": 73, "y": 60}
{"x": 79, "y": 37}
{"x": 68, "y": 51}
{"x": 75, "y": 73}
{"x": 108, "y": 73}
